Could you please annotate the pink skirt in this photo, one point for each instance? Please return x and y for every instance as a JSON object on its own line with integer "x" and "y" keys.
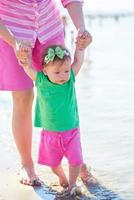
{"x": 12, "y": 75}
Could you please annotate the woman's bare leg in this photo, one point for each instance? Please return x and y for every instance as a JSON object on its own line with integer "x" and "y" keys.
{"x": 22, "y": 131}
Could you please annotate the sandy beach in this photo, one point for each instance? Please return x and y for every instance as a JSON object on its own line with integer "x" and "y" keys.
{"x": 105, "y": 90}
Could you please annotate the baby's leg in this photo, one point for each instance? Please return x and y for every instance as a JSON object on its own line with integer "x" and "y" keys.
{"x": 61, "y": 175}
{"x": 73, "y": 175}
{"x": 86, "y": 176}
{"x": 73, "y": 191}
{"x": 74, "y": 155}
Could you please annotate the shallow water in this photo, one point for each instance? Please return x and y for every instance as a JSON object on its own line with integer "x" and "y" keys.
{"x": 106, "y": 105}
{"x": 106, "y": 97}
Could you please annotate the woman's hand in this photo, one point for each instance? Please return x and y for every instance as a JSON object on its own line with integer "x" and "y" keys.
{"x": 83, "y": 39}
{"x": 23, "y": 52}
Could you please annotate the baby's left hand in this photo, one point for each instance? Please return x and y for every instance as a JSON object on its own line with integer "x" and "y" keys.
{"x": 83, "y": 39}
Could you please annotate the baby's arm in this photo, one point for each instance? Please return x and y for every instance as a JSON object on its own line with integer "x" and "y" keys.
{"x": 27, "y": 66}
{"x": 78, "y": 60}
{"x": 30, "y": 72}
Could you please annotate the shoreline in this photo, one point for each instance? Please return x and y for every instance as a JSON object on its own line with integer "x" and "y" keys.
{"x": 10, "y": 187}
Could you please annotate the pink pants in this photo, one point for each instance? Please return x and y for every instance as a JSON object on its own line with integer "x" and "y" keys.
{"x": 56, "y": 145}
{"x": 12, "y": 75}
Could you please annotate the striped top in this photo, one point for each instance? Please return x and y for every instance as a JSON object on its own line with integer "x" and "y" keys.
{"x": 32, "y": 19}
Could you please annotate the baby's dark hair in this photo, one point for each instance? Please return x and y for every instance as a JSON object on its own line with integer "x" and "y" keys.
{"x": 57, "y": 56}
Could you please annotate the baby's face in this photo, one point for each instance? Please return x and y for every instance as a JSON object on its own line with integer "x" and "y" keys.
{"x": 57, "y": 73}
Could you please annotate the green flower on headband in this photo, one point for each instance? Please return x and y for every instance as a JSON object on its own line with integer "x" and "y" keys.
{"x": 50, "y": 56}
{"x": 52, "y": 53}
{"x": 59, "y": 52}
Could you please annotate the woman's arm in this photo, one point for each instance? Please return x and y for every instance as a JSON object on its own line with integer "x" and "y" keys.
{"x": 20, "y": 48}
{"x": 6, "y": 35}
{"x": 75, "y": 11}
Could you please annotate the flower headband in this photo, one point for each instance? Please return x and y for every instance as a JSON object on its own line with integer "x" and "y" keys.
{"x": 58, "y": 51}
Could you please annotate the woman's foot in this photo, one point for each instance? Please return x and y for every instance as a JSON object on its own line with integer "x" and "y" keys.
{"x": 86, "y": 176}
{"x": 28, "y": 176}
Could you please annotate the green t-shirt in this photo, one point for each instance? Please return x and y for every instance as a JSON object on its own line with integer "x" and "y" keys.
{"x": 56, "y": 105}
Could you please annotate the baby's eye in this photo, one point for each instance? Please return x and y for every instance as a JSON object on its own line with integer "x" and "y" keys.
{"x": 56, "y": 72}
{"x": 66, "y": 71}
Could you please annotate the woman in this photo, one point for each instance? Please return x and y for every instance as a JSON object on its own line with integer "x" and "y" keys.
{"x": 29, "y": 24}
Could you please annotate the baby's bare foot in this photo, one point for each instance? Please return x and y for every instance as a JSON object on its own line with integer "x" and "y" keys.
{"x": 63, "y": 182}
{"x": 70, "y": 193}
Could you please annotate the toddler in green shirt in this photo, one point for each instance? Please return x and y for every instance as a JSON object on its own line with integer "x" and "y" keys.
{"x": 57, "y": 113}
